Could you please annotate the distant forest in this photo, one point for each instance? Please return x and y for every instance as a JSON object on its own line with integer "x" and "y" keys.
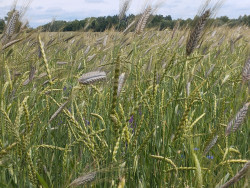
{"x": 101, "y": 24}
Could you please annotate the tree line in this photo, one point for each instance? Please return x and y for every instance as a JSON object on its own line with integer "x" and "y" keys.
{"x": 101, "y": 24}
{"x": 160, "y": 22}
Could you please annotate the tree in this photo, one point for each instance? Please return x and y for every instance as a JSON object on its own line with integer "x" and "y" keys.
{"x": 2, "y": 25}
{"x": 224, "y": 19}
{"x": 161, "y": 22}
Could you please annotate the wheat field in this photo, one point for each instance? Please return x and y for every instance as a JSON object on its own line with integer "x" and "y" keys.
{"x": 126, "y": 109}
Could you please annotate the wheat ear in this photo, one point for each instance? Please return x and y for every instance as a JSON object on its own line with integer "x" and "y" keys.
{"x": 83, "y": 179}
{"x": 196, "y": 33}
{"x": 211, "y": 144}
{"x": 120, "y": 83}
{"x": 238, "y": 176}
{"x": 124, "y": 6}
{"x": 11, "y": 26}
{"x": 246, "y": 71}
{"x": 58, "y": 111}
{"x": 143, "y": 20}
{"x": 237, "y": 121}
{"x": 91, "y": 77}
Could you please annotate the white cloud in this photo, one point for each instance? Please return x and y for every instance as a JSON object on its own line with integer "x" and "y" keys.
{"x": 43, "y": 11}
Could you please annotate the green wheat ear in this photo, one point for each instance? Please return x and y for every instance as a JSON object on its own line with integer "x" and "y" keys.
{"x": 198, "y": 171}
{"x": 41, "y": 44}
{"x": 115, "y": 83}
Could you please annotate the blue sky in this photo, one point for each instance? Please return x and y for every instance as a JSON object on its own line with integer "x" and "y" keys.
{"x": 43, "y": 11}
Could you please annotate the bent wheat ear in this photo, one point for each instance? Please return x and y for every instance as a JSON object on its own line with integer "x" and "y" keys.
{"x": 246, "y": 71}
{"x": 238, "y": 176}
{"x": 197, "y": 32}
{"x": 83, "y": 179}
{"x": 237, "y": 121}
{"x": 91, "y": 77}
{"x": 58, "y": 111}
{"x": 11, "y": 43}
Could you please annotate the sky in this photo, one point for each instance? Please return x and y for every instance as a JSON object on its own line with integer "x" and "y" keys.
{"x": 43, "y": 11}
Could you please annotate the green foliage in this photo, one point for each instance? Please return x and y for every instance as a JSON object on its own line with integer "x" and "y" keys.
{"x": 2, "y": 25}
{"x": 160, "y": 22}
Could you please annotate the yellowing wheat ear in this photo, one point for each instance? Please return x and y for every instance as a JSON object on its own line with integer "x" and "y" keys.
{"x": 91, "y": 77}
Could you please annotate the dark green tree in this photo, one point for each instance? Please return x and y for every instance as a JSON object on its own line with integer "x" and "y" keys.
{"x": 160, "y": 22}
{"x": 2, "y": 25}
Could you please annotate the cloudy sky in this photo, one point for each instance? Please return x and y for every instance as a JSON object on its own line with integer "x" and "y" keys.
{"x": 43, "y": 11}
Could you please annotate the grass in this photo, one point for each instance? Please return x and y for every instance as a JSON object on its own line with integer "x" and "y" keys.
{"x": 171, "y": 108}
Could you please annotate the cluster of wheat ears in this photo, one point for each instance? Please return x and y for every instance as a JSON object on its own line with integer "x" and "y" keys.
{"x": 137, "y": 108}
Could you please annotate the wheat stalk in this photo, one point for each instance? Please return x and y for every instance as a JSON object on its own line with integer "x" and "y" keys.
{"x": 176, "y": 27}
